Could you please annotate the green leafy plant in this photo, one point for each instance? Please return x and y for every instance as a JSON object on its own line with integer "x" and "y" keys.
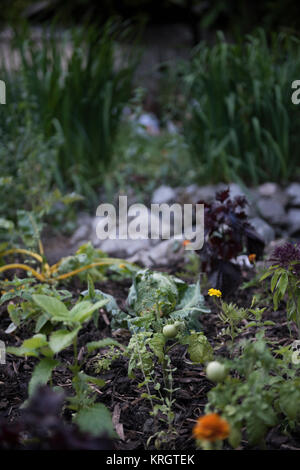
{"x": 165, "y": 297}
{"x": 237, "y": 319}
{"x": 261, "y": 390}
{"x": 86, "y": 258}
{"x": 162, "y": 310}
{"x": 18, "y": 294}
{"x": 71, "y": 86}
{"x": 147, "y": 350}
{"x": 285, "y": 279}
{"x": 28, "y": 164}
{"x": 46, "y": 348}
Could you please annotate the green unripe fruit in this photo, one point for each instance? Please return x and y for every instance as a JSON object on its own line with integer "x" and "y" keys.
{"x": 215, "y": 371}
{"x": 170, "y": 331}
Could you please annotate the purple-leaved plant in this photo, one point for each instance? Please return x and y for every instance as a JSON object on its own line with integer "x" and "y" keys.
{"x": 287, "y": 256}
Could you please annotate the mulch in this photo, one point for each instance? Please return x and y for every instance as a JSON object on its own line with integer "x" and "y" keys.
{"x": 122, "y": 396}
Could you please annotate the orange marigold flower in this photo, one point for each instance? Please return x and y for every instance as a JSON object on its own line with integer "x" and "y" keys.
{"x": 186, "y": 242}
{"x": 252, "y": 257}
{"x": 211, "y": 427}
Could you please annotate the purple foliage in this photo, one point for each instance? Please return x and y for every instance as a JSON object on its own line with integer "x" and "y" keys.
{"x": 287, "y": 256}
{"x": 41, "y": 427}
{"x": 227, "y": 230}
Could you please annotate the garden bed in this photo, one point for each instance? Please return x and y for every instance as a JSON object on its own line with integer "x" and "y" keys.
{"x": 131, "y": 413}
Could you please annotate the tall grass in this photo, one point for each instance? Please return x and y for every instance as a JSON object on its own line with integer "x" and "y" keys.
{"x": 241, "y": 122}
{"x": 74, "y": 85}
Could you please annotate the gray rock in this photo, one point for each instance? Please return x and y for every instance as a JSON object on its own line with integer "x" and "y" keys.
{"x": 84, "y": 229}
{"x": 236, "y": 190}
{"x": 82, "y": 233}
{"x": 124, "y": 248}
{"x": 272, "y": 210}
{"x": 293, "y": 193}
{"x": 164, "y": 194}
{"x": 207, "y": 193}
{"x": 293, "y": 218}
{"x": 194, "y": 193}
{"x": 268, "y": 189}
{"x": 160, "y": 255}
{"x": 250, "y": 195}
{"x": 263, "y": 229}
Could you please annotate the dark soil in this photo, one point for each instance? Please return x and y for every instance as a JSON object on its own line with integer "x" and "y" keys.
{"x": 120, "y": 393}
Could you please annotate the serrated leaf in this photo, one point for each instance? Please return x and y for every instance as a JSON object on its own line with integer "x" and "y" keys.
{"x": 95, "y": 420}
{"x": 190, "y": 306}
{"x": 41, "y": 374}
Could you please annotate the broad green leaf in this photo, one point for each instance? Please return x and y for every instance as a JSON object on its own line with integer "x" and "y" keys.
{"x": 61, "y": 339}
{"x": 93, "y": 380}
{"x": 95, "y": 420}
{"x": 22, "y": 352}
{"x": 265, "y": 275}
{"x": 274, "y": 279}
{"x": 36, "y": 342}
{"x": 157, "y": 344}
{"x": 199, "y": 349}
{"x": 83, "y": 310}
{"x": 41, "y": 321}
{"x": 191, "y": 305}
{"x": 41, "y": 374}
{"x": 276, "y": 299}
{"x": 283, "y": 283}
{"x": 30, "y": 347}
{"x": 51, "y": 305}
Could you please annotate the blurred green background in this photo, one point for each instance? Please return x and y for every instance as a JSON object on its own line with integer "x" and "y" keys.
{"x": 113, "y": 96}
